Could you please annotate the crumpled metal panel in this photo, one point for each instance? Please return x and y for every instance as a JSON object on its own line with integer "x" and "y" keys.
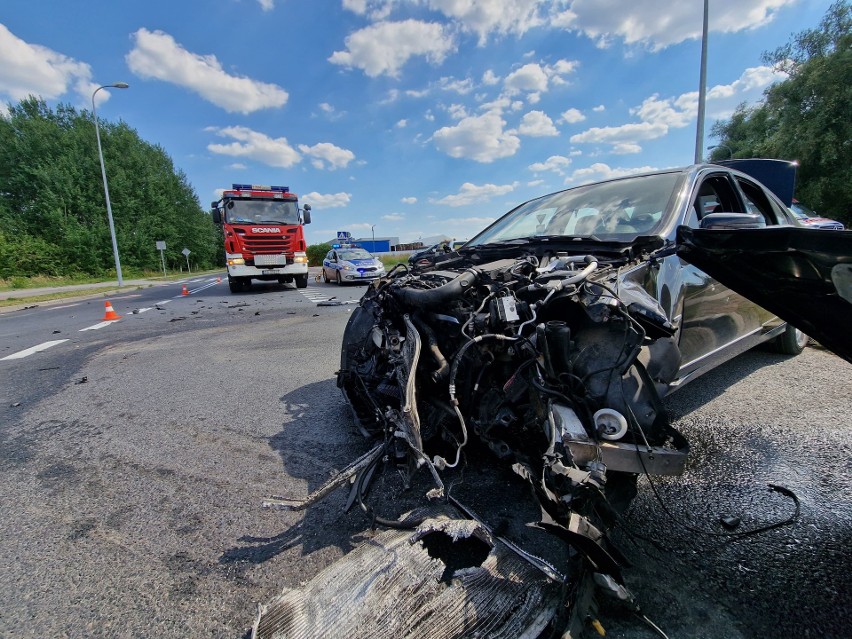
{"x": 390, "y": 586}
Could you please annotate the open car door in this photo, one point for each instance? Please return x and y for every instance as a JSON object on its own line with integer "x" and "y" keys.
{"x": 804, "y": 276}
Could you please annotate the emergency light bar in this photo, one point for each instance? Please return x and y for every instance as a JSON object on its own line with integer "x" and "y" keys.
{"x": 259, "y": 187}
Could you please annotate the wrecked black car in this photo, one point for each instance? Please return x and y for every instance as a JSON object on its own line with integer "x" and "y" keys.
{"x": 513, "y": 388}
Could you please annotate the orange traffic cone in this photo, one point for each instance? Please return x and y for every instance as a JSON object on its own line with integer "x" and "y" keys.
{"x": 218, "y": 280}
{"x": 110, "y": 313}
{"x": 184, "y": 291}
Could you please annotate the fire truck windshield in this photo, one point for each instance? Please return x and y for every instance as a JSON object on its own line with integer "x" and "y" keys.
{"x": 262, "y": 211}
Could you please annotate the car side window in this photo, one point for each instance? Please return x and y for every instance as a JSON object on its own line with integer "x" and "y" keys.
{"x": 756, "y": 201}
{"x": 714, "y": 195}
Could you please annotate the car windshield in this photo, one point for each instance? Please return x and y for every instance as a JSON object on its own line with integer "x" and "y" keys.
{"x": 262, "y": 211}
{"x": 801, "y": 211}
{"x": 354, "y": 254}
{"x": 617, "y": 210}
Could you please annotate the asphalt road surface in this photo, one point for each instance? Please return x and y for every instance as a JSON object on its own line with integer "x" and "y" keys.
{"x": 134, "y": 458}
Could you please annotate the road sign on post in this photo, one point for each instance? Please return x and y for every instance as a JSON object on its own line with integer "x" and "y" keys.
{"x": 186, "y": 253}
{"x": 343, "y": 235}
{"x": 161, "y": 246}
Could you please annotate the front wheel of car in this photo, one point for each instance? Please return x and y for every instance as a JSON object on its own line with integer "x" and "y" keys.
{"x": 339, "y": 279}
{"x": 792, "y": 341}
{"x": 325, "y": 277}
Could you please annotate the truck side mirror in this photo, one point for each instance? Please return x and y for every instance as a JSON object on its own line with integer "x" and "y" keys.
{"x": 306, "y": 214}
{"x": 217, "y": 216}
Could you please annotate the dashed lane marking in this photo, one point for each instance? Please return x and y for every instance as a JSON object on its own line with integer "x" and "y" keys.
{"x": 95, "y": 327}
{"x": 35, "y": 349}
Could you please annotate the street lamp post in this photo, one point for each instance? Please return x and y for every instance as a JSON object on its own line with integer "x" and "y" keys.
{"x": 702, "y": 86}
{"x": 373, "y": 229}
{"x": 117, "y": 85}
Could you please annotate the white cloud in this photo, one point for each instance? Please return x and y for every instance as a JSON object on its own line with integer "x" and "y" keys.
{"x": 329, "y": 201}
{"x": 457, "y": 111}
{"x": 462, "y": 87}
{"x": 326, "y": 153}
{"x": 266, "y": 5}
{"x": 659, "y": 115}
{"x": 626, "y": 148}
{"x": 479, "y": 138}
{"x": 656, "y": 26}
{"x": 238, "y": 166}
{"x": 600, "y": 171}
{"x": 156, "y": 55}
{"x": 473, "y": 194}
{"x": 255, "y": 146}
{"x": 31, "y": 69}
{"x": 535, "y": 182}
{"x": 625, "y": 133}
{"x": 537, "y": 124}
{"x": 534, "y": 79}
{"x": 753, "y": 78}
{"x": 555, "y": 163}
{"x": 599, "y": 109}
{"x": 409, "y": 200}
{"x": 529, "y": 78}
{"x": 489, "y": 78}
{"x": 484, "y": 17}
{"x": 671, "y": 112}
{"x": 393, "y": 217}
{"x": 401, "y": 124}
{"x": 572, "y": 116}
{"x": 383, "y": 48}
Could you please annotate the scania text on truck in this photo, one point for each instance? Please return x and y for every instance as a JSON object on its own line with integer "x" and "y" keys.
{"x": 264, "y": 240}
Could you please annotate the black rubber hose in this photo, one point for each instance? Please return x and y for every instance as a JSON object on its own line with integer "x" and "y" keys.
{"x": 436, "y": 297}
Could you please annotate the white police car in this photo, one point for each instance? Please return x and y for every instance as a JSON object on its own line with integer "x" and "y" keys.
{"x": 344, "y": 265}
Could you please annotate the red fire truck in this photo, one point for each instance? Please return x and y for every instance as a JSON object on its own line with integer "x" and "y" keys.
{"x": 262, "y": 226}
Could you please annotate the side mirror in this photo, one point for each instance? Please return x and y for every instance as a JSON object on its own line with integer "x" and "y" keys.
{"x": 306, "y": 214}
{"x": 214, "y": 205}
{"x": 217, "y": 215}
{"x": 732, "y": 221}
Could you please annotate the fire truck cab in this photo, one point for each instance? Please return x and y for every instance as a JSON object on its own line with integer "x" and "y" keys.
{"x": 263, "y": 235}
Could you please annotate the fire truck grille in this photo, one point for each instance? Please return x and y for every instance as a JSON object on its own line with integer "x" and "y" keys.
{"x": 268, "y": 244}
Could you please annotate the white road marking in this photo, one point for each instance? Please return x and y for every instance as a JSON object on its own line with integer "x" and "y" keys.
{"x": 142, "y": 310}
{"x": 56, "y": 308}
{"x": 163, "y": 302}
{"x": 33, "y": 350}
{"x": 316, "y": 296}
{"x": 95, "y": 327}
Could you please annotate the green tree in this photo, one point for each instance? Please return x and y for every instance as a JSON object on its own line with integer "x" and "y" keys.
{"x": 52, "y": 207}
{"x": 808, "y": 116}
{"x": 316, "y": 253}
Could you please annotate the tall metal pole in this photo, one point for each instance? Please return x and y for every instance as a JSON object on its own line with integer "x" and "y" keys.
{"x": 373, "y": 228}
{"x": 117, "y": 85}
{"x": 702, "y": 88}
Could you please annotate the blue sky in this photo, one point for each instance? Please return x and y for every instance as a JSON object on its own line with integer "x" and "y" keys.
{"x": 418, "y": 117}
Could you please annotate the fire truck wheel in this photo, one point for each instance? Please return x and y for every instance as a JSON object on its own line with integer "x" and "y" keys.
{"x": 234, "y": 284}
{"x": 301, "y": 281}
